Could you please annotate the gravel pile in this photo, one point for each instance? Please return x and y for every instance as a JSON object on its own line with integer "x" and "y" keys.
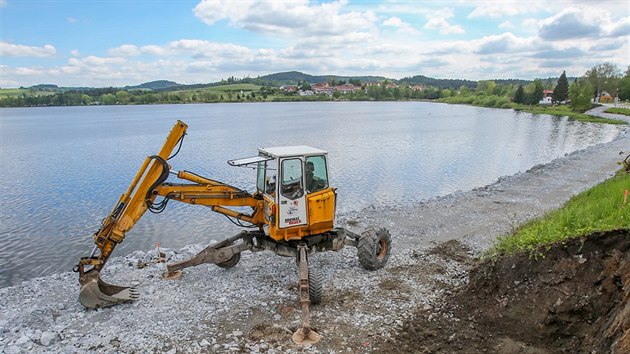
{"x": 253, "y": 307}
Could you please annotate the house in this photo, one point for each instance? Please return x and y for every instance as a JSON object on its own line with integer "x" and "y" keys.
{"x": 346, "y": 88}
{"x": 288, "y": 88}
{"x": 605, "y": 97}
{"x": 306, "y": 93}
{"x": 547, "y": 95}
{"x": 324, "y": 88}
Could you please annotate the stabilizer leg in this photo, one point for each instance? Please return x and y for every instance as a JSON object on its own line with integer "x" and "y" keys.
{"x": 304, "y": 335}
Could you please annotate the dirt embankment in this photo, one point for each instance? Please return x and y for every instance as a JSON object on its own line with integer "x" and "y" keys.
{"x": 575, "y": 299}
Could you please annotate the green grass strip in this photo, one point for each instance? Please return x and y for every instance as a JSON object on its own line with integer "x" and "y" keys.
{"x": 617, "y": 110}
{"x": 600, "y": 208}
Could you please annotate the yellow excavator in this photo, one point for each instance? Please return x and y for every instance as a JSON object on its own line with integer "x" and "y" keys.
{"x": 292, "y": 214}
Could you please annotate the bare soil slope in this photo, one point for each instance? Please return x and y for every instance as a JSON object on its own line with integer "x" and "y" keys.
{"x": 576, "y": 300}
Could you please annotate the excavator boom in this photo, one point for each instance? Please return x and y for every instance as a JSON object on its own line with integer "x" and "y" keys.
{"x": 147, "y": 185}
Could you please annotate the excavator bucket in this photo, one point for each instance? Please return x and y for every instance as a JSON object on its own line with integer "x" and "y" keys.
{"x": 96, "y": 293}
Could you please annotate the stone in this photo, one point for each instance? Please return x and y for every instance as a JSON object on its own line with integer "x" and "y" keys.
{"x": 48, "y": 338}
{"x": 204, "y": 343}
{"x": 22, "y": 340}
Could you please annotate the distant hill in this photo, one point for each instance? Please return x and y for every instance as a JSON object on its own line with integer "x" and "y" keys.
{"x": 295, "y": 77}
{"x": 155, "y": 85}
{"x": 441, "y": 83}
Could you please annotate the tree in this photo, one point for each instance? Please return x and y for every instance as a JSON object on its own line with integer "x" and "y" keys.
{"x": 519, "y": 96}
{"x": 535, "y": 93}
{"x": 580, "y": 94}
{"x": 603, "y": 77}
{"x": 624, "y": 86}
{"x": 561, "y": 91}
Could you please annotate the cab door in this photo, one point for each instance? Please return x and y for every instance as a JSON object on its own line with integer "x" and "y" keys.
{"x": 292, "y": 194}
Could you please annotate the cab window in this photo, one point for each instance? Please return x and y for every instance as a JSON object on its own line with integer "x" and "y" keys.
{"x": 291, "y": 186}
{"x": 316, "y": 173}
{"x": 266, "y": 181}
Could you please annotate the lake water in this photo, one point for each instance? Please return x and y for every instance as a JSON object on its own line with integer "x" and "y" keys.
{"x": 63, "y": 168}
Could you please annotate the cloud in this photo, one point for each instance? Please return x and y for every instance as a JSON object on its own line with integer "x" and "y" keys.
{"x": 506, "y": 25}
{"x": 3, "y": 3}
{"x": 620, "y": 28}
{"x": 567, "y": 53}
{"x": 570, "y": 24}
{"x": 19, "y": 50}
{"x": 72, "y": 20}
{"x": 75, "y": 53}
{"x": 438, "y": 21}
{"x": 494, "y": 9}
{"x": 294, "y": 19}
{"x": 398, "y": 23}
{"x": 503, "y": 43}
{"x": 125, "y": 50}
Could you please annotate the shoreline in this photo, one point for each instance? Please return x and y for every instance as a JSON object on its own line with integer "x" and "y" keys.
{"x": 253, "y": 307}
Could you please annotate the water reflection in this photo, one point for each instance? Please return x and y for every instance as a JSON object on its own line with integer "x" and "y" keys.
{"x": 64, "y": 167}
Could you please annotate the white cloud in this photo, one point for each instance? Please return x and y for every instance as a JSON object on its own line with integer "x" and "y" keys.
{"x": 125, "y": 50}
{"x": 294, "y": 19}
{"x": 569, "y": 24}
{"x": 3, "y": 3}
{"x": 438, "y": 21}
{"x": 72, "y": 20}
{"x": 507, "y": 25}
{"x": 398, "y": 23}
{"x": 19, "y": 50}
{"x": 75, "y": 53}
{"x": 503, "y": 43}
{"x": 495, "y": 9}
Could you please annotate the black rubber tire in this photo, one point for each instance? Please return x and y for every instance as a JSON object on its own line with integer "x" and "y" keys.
{"x": 315, "y": 285}
{"x": 230, "y": 262}
{"x": 374, "y": 248}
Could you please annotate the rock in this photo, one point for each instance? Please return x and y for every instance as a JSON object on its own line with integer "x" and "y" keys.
{"x": 48, "y": 338}
{"x": 237, "y": 333}
{"x": 22, "y": 340}
{"x": 204, "y": 343}
{"x": 172, "y": 351}
{"x": 12, "y": 349}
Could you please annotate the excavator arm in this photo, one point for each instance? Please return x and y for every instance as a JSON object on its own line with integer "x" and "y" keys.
{"x": 148, "y": 184}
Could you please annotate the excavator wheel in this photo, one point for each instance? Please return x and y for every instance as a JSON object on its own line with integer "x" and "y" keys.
{"x": 230, "y": 262}
{"x": 374, "y": 248}
{"x": 315, "y": 285}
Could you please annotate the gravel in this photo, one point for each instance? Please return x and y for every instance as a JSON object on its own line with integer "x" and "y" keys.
{"x": 253, "y": 306}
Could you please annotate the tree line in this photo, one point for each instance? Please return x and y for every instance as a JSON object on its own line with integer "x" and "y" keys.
{"x": 489, "y": 93}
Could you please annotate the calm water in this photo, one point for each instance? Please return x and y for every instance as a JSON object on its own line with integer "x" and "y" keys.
{"x": 63, "y": 168}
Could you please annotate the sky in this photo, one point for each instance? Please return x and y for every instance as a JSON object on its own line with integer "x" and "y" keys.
{"x": 117, "y": 43}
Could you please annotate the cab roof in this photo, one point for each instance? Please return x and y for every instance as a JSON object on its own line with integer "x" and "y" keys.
{"x": 285, "y": 151}
{"x": 270, "y": 153}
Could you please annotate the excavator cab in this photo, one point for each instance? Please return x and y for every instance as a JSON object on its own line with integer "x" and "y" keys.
{"x": 293, "y": 182}
{"x": 292, "y": 214}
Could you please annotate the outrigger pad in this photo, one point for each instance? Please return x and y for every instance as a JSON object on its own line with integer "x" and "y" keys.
{"x": 305, "y": 336}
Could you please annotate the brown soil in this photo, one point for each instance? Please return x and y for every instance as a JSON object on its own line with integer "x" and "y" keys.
{"x": 575, "y": 299}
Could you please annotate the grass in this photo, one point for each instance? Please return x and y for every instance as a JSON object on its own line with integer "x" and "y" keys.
{"x": 600, "y": 208}
{"x": 566, "y": 111}
{"x": 13, "y": 92}
{"x": 17, "y": 92}
{"x": 235, "y": 88}
{"x": 617, "y": 110}
{"x": 493, "y": 101}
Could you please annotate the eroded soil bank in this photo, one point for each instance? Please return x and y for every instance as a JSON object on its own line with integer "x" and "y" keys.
{"x": 575, "y": 299}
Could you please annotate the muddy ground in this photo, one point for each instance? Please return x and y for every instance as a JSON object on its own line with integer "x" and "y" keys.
{"x": 574, "y": 300}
